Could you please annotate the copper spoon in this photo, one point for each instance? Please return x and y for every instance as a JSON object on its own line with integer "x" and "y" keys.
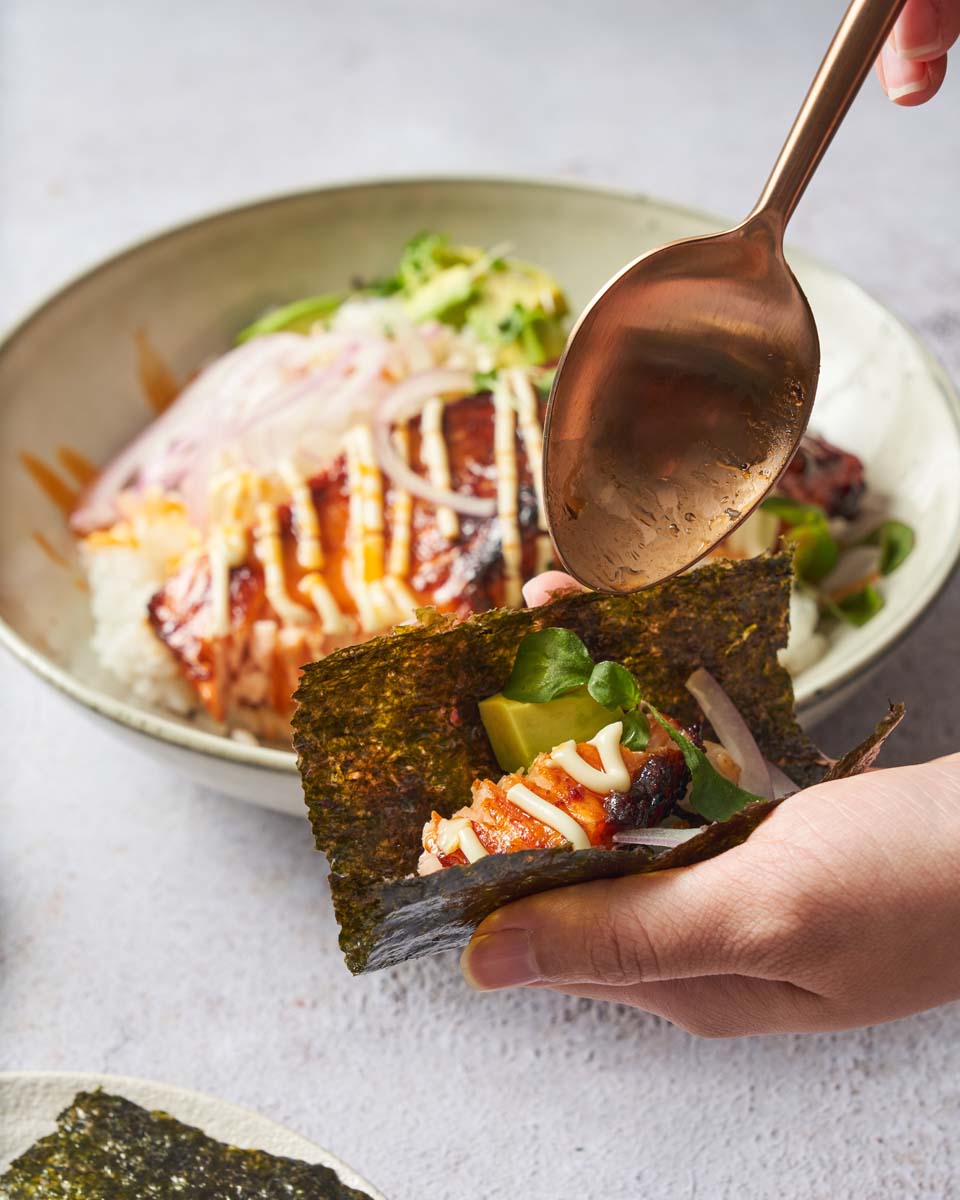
{"x": 686, "y": 385}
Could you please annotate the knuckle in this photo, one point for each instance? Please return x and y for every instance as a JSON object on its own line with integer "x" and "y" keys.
{"x": 618, "y": 951}
{"x": 782, "y": 925}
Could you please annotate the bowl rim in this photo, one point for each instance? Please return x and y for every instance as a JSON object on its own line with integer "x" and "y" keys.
{"x": 174, "y": 1093}
{"x": 270, "y": 759}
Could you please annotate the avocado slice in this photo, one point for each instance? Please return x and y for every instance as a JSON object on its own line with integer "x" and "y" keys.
{"x": 521, "y": 307}
{"x": 448, "y": 290}
{"x": 518, "y": 283}
{"x": 297, "y": 317}
{"x": 518, "y": 732}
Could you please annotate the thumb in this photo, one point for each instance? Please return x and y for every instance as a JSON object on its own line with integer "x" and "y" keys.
{"x": 678, "y": 924}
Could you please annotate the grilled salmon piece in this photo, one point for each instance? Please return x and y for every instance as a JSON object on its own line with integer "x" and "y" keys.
{"x": 658, "y": 780}
{"x": 255, "y": 664}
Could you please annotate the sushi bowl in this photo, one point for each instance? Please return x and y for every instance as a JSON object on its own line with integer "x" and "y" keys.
{"x": 69, "y": 397}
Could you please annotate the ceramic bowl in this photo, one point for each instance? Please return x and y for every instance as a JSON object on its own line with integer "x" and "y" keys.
{"x": 31, "y": 1101}
{"x": 68, "y": 378}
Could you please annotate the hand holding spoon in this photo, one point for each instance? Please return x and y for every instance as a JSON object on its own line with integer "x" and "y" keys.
{"x": 687, "y": 383}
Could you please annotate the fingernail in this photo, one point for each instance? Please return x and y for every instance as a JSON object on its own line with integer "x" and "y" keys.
{"x": 500, "y": 960}
{"x": 918, "y": 33}
{"x": 544, "y": 587}
{"x": 902, "y": 77}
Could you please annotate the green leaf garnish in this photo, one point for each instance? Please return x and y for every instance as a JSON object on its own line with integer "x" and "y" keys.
{"x": 485, "y": 381}
{"x": 525, "y": 325}
{"x": 548, "y": 663}
{"x": 544, "y": 383}
{"x": 792, "y": 512}
{"x": 636, "y": 730}
{"x": 858, "y": 608}
{"x": 712, "y": 795}
{"x": 423, "y": 257}
{"x": 815, "y": 549}
{"x": 613, "y": 686}
{"x": 297, "y": 317}
{"x": 895, "y": 540}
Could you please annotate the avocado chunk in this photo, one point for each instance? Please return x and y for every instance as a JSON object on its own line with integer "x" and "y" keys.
{"x": 449, "y": 290}
{"x": 521, "y": 307}
{"x": 518, "y": 732}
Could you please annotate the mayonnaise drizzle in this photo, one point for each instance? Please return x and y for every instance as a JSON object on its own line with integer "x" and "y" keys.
{"x": 544, "y": 552}
{"x": 457, "y": 833}
{"x": 398, "y": 563}
{"x": 374, "y": 604}
{"x": 306, "y": 531}
{"x": 470, "y": 844}
{"x": 219, "y": 585}
{"x": 433, "y": 451}
{"x": 614, "y": 777}
{"x": 306, "y": 522}
{"x": 549, "y": 814}
{"x": 231, "y": 496}
{"x": 528, "y": 423}
{"x": 505, "y": 462}
{"x": 332, "y": 619}
{"x": 405, "y": 601}
{"x": 266, "y": 546}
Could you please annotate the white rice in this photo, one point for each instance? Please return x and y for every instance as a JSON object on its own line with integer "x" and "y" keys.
{"x": 122, "y": 578}
{"x": 804, "y": 646}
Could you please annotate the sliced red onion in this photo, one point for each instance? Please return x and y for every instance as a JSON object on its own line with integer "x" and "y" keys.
{"x": 405, "y": 401}
{"x": 732, "y": 731}
{"x": 254, "y": 404}
{"x": 163, "y": 452}
{"x": 783, "y": 785}
{"x": 857, "y": 567}
{"x": 654, "y": 837}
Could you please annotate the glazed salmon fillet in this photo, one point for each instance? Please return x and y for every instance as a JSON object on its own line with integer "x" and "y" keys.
{"x": 658, "y": 780}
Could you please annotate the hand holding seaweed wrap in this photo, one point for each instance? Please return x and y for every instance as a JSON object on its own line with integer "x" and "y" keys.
{"x": 840, "y": 910}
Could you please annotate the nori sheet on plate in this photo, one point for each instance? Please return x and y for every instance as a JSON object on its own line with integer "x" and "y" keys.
{"x": 389, "y": 730}
{"x": 108, "y": 1148}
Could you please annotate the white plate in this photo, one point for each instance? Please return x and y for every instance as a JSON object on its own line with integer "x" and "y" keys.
{"x": 31, "y": 1101}
{"x": 67, "y": 377}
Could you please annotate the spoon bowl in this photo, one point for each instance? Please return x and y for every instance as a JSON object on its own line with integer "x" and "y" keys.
{"x": 688, "y": 382}
{"x": 682, "y": 396}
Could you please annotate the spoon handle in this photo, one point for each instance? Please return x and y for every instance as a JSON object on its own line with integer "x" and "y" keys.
{"x": 852, "y": 52}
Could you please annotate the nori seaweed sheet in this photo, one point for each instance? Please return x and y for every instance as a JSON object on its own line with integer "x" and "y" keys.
{"x": 108, "y": 1148}
{"x": 389, "y": 730}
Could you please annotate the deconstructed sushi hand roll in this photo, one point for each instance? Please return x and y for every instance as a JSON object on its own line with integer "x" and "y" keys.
{"x": 599, "y": 786}
{"x": 594, "y": 737}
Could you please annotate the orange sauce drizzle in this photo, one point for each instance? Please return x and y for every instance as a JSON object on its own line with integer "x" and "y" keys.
{"x": 50, "y": 550}
{"x": 81, "y": 468}
{"x": 157, "y": 380}
{"x": 50, "y": 483}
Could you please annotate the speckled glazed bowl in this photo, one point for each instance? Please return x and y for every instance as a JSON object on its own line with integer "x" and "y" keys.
{"x": 68, "y": 378}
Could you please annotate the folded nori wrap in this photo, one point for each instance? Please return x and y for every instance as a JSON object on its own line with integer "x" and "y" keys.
{"x": 388, "y": 731}
{"x": 108, "y": 1148}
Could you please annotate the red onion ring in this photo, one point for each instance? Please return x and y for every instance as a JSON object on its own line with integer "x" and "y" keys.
{"x": 405, "y": 401}
{"x": 857, "y": 567}
{"x": 732, "y": 731}
{"x": 657, "y": 836}
{"x": 782, "y": 784}
{"x": 255, "y": 398}
{"x": 163, "y": 452}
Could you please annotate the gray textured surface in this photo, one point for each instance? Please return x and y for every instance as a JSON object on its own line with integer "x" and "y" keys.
{"x": 149, "y": 928}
